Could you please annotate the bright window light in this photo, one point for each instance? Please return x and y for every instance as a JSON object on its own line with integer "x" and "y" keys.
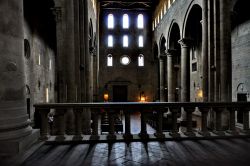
{"x": 125, "y": 21}
{"x": 109, "y": 60}
{"x": 110, "y": 41}
{"x": 140, "y": 41}
{"x": 141, "y": 60}
{"x": 140, "y": 23}
{"x": 125, "y": 41}
{"x": 110, "y": 21}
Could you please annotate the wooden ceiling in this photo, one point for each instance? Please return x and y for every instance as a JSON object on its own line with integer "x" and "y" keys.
{"x": 128, "y": 4}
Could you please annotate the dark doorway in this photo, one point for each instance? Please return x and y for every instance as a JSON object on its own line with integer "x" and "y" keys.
{"x": 120, "y": 93}
{"x": 241, "y": 97}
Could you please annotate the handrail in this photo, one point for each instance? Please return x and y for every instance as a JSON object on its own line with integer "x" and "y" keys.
{"x": 219, "y": 108}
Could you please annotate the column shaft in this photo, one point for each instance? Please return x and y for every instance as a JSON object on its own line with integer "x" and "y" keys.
{"x": 205, "y": 50}
{"x": 225, "y": 51}
{"x": 161, "y": 62}
{"x": 171, "y": 90}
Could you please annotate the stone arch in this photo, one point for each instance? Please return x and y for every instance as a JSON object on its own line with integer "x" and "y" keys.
{"x": 240, "y": 9}
{"x": 155, "y": 50}
{"x": 162, "y": 44}
{"x": 191, "y": 7}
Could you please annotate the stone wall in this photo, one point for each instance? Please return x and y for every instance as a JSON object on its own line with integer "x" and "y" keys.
{"x": 39, "y": 33}
{"x": 137, "y": 79}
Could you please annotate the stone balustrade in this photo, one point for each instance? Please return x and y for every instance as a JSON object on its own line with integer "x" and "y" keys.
{"x": 220, "y": 109}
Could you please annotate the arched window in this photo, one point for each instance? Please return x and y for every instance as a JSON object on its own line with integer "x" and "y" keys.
{"x": 140, "y": 23}
{"x": 140, "y": 41}
{"x": 109, "y": 60}
{"x": 125, "y": 21}
{"x": 110, "y": 21}
{"x": 140, "y": 60}
{"x": 110, "y": 41}
{"x": 125, "y": 41}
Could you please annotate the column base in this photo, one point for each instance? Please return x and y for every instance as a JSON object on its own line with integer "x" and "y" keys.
{"x": 15, "y": 146}
{"x": 77, "y": 137}
{"x": 247, "y": 132}
{"x": 189, "y": 134}
{"x": 174, "y": 134}
{"x": 60, "y": 138}
{"x": 159, "y": 135}
{"x": 219, "y": 133}
{"x": 111, "y": 137}
{"x": 205, "y": 133}
{"x": 233, "y": 132}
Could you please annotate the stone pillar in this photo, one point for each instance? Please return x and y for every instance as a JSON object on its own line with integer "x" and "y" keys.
{"x": 225, "y": 51}
{"x": 205, "y": 50}
{"x": 211, "y": 55}
{"x": 185, "y": 69}
{"x": 185, "y": 73}
{"x": 87, "y": 71}
{"x": 162, "y": 77}
{"x": 171, "y": 87}
{"x": 15, "y": 132}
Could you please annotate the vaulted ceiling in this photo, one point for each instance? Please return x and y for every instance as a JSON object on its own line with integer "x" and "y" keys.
{"x": 129, "y": 4}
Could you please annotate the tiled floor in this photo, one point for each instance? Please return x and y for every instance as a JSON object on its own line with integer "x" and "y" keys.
{"x": 233, "y": 152}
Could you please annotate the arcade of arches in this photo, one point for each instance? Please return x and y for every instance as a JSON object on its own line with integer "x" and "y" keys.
{"x": 59, "y": 51}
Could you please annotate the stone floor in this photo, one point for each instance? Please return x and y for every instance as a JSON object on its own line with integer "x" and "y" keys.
{"x": 221, "y": 152}
{"x": 232, "y": 152}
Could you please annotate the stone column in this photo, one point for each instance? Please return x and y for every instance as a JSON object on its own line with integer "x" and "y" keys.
{"x": 185, "y": 73}
{"x": 162, "y": 77}
{"x": 15, "y": 132}
{"x": 225, "y": 51}
{"x": 205, "y": 50}
{"x": 171, "y": 87}
{"x": 185, "y": 69}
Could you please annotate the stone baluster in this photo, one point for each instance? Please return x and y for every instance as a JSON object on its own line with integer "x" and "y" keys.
{"x": 174, "y": 132}
{"x": 204, "y": 113}
{"x": 44, "y": 123}
{"x": 218, "y": 125}
{"x": 232, "y": 128}
{"x": 246, "y": 120}
{"x": 111, "y": 125}
{"x": 95, "y": 124}
{"x": 159, "y": 133}
{"x": 78, "y": 124}
{"x": 189, "y": 111}
{"x": 127, "y": 134}
{"x": 143, "y": 134}
{"x": 61, "y": 125}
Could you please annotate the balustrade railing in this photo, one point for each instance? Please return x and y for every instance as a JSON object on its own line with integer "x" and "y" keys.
{"x": 220, "y": 109}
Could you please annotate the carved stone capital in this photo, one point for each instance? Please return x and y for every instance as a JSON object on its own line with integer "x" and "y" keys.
{"x": 57, "y": 12}
{"x": 185, "y": 42}
{"x": 171, "y": 52}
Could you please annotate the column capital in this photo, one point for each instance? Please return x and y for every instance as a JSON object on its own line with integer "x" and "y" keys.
{"x": 185, "y": 42}
{"x": 171, "y": 52}
{"x": 57, "y": 12}
{"x": 162, "y": 56}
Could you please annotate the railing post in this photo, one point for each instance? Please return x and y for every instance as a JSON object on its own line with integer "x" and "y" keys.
{"x": 44, "y": 122}
{"x": 78, "y": 124}
{"x": 174, "y": 132}
{"x": 111, "y": 134}
{"x": 246, "y": 129}
{"x": 218, "y": 125}
{"x": 127, "y": 134}
{"x": 204, "y": 112}
{"x": 159, "y": 133}
{"x": 95, "y": 118}
{"x": 189, "y": 113}
{"x": 61, "y": 127}
{"x": 143, "y": 134}
{"x": 232, "y": 128}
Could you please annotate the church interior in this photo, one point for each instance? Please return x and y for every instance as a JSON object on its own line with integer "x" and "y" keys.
{"x": 124, "y": 82}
